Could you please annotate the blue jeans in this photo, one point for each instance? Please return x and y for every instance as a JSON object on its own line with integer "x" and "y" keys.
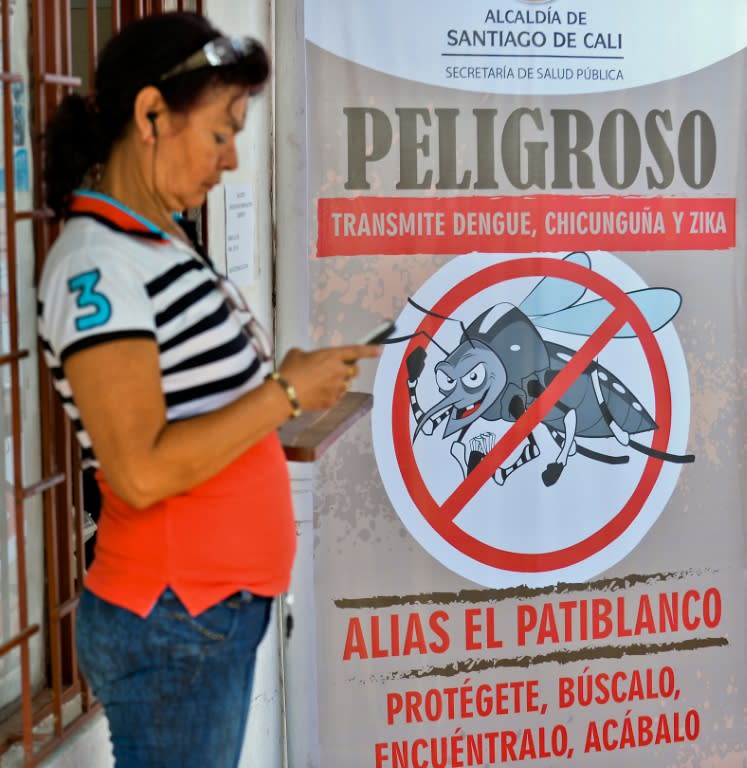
{"x": 175, "y": 688}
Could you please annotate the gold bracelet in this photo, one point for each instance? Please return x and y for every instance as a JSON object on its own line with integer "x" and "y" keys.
{"x": 290, "y": 392}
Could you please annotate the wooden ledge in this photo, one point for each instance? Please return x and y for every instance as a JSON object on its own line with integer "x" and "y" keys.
{"x": 307, "y": 437}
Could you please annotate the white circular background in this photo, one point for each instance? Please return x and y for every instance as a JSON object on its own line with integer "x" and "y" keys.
{"x": 523, "y": 515}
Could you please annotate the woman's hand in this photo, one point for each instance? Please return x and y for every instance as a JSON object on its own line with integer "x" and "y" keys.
{"x": 322, "y": 377}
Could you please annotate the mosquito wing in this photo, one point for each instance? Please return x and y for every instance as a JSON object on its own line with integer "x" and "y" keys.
{"x": 551, "y": 294}
{"x": 658, "y": 306}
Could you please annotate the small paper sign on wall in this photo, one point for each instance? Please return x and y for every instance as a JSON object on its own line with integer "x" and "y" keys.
{"x": 242, "y": 264}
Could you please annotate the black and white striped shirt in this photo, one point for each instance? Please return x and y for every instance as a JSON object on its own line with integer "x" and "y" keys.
{"x": 113, "y": 275}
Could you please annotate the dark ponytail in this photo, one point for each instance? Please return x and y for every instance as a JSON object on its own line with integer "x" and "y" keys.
{"x": 72, "y": 149}
{"x": 82, "y": 132}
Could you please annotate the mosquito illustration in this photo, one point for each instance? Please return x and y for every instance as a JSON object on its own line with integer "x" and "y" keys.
{"x": 502, "y": 364}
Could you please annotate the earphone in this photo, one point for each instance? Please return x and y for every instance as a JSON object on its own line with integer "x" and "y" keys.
{"x": 152, "y": 117}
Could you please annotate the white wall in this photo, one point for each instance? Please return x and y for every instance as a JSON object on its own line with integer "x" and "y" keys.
{"x": 241, "y": 18}
{"x": 292, "y": 329}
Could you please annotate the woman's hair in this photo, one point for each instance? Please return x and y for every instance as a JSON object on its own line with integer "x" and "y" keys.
{"x": 83, "y": 129}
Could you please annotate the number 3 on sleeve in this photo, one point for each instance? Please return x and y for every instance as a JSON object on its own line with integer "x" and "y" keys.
{"x": 89, "y": 299}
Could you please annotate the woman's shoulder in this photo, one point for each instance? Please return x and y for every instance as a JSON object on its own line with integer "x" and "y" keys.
{"x": 85, "y": 244}
{"x": 76, "y": 238}
{"x": 81, "y": 245}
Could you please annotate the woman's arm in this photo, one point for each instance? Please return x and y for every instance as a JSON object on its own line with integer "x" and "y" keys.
{"x": 117, "y": 390}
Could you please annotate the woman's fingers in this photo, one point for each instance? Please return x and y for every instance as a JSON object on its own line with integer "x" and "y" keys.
{"x": 323, "y": 376}
{"x": 354, "y": 352}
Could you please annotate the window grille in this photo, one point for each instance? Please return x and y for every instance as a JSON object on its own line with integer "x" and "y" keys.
{"x": 47, "y": 48}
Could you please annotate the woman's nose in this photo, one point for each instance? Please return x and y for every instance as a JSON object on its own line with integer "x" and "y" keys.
{"x": 229, "y": 160}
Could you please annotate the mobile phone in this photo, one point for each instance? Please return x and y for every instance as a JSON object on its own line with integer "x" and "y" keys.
{"x": 378, "y": 334}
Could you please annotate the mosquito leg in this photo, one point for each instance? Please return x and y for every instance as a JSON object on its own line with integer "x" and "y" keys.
{"x": 529, "y": 452}
{"x": 619, "y": 433}
{"x": 459, "y": 452}
{"x": 554, "y": 470}
{"x": 569, "y": 421}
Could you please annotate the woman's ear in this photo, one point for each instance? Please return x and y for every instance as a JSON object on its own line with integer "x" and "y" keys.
{"x": 149, "y": 103}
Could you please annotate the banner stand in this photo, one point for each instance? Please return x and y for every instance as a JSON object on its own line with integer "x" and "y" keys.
{"x": 304, "y": 440}
{"x": 308, "y": 436}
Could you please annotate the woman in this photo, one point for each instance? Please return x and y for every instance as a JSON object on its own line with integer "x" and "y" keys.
{"x": 164, "y": 372}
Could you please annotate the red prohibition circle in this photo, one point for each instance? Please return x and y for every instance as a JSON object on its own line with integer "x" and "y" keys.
{"x": 439, "y": 517}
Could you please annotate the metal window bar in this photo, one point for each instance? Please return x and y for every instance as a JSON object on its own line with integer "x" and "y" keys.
{"x": 60, "y": 486}
{"x": 25, "y": 630}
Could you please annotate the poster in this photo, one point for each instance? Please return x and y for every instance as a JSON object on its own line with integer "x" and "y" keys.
{"x": 534, "y": 550}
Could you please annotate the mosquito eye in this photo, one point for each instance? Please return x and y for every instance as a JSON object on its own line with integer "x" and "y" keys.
{"x": 475, "y": 377}
{"x": 444, "y": 381}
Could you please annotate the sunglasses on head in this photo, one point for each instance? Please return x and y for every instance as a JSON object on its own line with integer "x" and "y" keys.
{"x": 218, "y": 52}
